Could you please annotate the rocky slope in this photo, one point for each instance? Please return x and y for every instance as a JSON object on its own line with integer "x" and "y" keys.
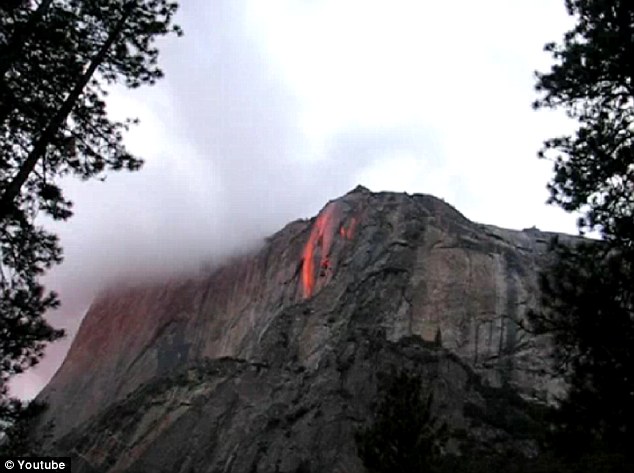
{"x": 271, "y": 362}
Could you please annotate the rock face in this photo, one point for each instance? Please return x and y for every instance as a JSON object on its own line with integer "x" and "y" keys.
{"x": 270, "y": 363}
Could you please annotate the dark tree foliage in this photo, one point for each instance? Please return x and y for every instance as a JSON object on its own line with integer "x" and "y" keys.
{"x": 404, "y": 436}
{"x": 587, "y": 298}
{"x": 592, "y": 79}
{"x": 56, "y": 59}
{"x": 16, "y": 441}
{"x": 589, "y": 302}
{"x": 545, "y": 463}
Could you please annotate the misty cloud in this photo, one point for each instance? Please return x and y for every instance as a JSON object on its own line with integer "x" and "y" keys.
{"x": 225, "y": 167}
{"x": 270, "y": 109}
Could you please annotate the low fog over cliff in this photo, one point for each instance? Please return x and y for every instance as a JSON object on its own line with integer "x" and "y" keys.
{"x": 260, "y": 120}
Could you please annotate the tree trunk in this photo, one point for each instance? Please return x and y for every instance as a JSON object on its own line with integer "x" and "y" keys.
{"x": 12, "y": 190}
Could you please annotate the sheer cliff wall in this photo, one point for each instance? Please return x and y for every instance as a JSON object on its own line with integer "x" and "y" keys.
{"x": 402, "y": 265}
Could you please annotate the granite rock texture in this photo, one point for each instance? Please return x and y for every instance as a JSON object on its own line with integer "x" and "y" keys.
{"x": 270, "y": 362}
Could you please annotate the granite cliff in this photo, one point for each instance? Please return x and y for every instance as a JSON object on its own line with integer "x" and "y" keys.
{"x": 270, "y": 362}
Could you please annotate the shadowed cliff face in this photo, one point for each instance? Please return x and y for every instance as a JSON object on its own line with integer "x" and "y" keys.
{"x": 392, "y": 266}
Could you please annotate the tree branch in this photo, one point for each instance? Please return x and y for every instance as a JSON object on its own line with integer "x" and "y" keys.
{"x": 14, "y": 187}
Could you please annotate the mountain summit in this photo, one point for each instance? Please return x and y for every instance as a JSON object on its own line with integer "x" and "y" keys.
{"x": 271, "y": 362}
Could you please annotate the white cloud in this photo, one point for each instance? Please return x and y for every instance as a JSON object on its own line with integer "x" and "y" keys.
{"x": 271, "y": 108}
{"x": 459, "y": 73}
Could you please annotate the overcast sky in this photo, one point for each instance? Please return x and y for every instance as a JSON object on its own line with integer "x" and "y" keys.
{"x": 270, "y": 108}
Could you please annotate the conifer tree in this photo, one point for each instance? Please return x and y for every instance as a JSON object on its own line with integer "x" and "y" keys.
{"x": 589, "y": 295}
{"x": 404, "y": 436}
{"x": 57, "y": 59}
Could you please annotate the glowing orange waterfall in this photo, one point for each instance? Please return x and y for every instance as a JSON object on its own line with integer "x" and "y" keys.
{"x": 319, "y": 238}
{"x": 320, "y": 241}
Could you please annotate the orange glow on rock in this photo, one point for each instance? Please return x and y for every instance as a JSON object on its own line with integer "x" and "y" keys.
{"x": 348, "y": 232}
{"x": 320, "y": 237}
{"x": 319, "y": 245}
{"x": 351, "y": 228}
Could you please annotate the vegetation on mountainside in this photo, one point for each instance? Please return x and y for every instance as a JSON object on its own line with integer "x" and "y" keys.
{"x": 56, "y": 60}
{"x": 404, "y": 436}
